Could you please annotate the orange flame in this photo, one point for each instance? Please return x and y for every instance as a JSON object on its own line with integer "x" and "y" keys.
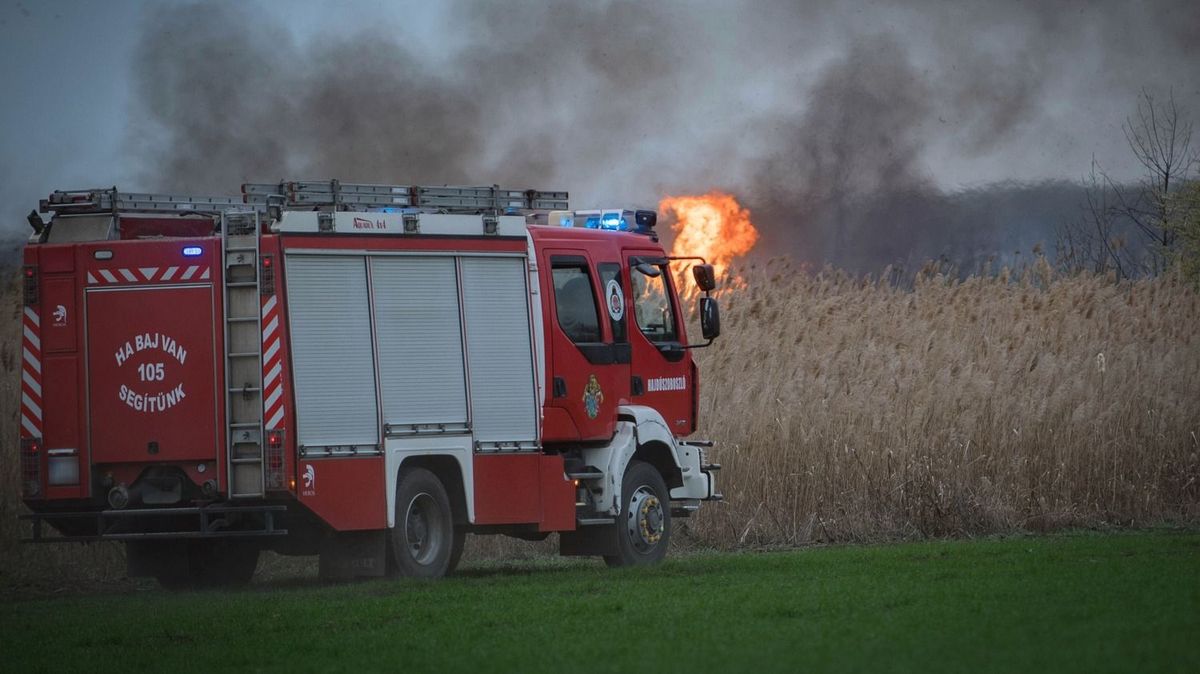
{"x": 713, "y": 226}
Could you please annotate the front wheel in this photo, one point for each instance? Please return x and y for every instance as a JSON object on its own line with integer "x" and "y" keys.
{"x": 644, "y": 525}
{"x": 456, "y": 550}
{"x": 423, "y": 539}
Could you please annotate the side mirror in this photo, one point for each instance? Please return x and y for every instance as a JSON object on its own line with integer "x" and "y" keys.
{"x": 648, "y": 270}
{"x": 706, "y": 279}
{"x": 710, "y": 317}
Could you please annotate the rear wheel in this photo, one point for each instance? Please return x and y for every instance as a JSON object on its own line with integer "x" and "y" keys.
{"x": 195, "y": 564}
{"x": 644, "y": 525}
{"x": 222, "y": 562}
{"x": 423, "y": 539}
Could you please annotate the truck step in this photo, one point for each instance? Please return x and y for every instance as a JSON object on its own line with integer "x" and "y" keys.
{"x": 711, "y": 467}
{"x": 594, "y": 521}
{"x": 684, "y": 509}
{"x": 586, "y": 474}
{"x": 248, "y": 494}
{"x": 241, "y": 319}
{"x": 241, "y": 284}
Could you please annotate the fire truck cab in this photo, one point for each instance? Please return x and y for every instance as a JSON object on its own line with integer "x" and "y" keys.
{"x": 363, "y": 372}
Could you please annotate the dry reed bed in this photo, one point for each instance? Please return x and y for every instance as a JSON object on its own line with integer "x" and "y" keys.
{"x": 850, "y": 410}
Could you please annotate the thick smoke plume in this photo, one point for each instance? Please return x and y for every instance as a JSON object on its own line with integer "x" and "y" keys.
{"x": 231, "y": 99}
{"x": 848, "y": 131}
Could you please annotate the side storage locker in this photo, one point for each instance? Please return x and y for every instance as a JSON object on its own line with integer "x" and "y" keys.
{"x": 337, "y": 420}
{"x": 503, "y": 402}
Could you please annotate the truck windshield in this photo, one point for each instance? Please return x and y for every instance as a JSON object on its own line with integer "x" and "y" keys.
{"x": 652, "y": 306}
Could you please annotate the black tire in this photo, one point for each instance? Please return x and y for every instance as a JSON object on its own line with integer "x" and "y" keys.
{"x": 175, "y": 581}
{"x": 222, "y": 563}
{"x": 423, "y": 538}
{"x": 644, "y": 526}
{"x": 203, "y": 564}
{"x": 167, "y": 561}
{"x": 456, "y": 551}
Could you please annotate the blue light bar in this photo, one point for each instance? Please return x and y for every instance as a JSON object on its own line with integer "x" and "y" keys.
{"x": 610, "y": 220}
{"x": 614, "y": 222}
{"x": 192, "y": 251}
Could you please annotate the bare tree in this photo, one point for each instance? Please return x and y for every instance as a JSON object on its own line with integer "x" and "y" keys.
{"x": 1092, "y": 243}
{"x": 1161, "y": 142}
{"x": 1134, "y": 228}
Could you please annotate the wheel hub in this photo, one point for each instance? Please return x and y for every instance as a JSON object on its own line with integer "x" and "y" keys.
{"x": 645, "y": 521}
{"x": 422, "y": 533}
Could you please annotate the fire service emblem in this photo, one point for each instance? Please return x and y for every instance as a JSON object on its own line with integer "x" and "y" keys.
{"x": 615, "y": 300}
{"x": 592, "y": 397}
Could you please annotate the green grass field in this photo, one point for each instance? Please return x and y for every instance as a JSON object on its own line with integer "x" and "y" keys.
{"x": 1077, "y": 602}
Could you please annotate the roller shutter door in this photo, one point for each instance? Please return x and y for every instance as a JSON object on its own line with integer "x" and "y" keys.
{"x": 419, "y": 333}
{"x": 332, "y": 354}
{"x": 495, "y": 305}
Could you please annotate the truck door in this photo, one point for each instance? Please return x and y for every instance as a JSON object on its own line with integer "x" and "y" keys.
{"x": 662, "y": 369}
{"x": 589, "y": 373}
{"x": 151, "y": 373}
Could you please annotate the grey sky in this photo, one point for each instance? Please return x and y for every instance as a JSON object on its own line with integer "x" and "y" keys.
{"x": 690, "y": 96}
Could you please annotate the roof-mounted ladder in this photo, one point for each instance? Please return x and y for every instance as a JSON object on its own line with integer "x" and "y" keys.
{"x": 270, "y": 198}
{"x": 240, "y": 232}
{"x": 111, "y": 200}
{"x": 307, "y": 195}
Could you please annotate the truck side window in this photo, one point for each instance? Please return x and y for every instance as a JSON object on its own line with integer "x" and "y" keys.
{"x": 614, "y": 298}
{"x": 652, "y": 306}
{"x": 575, "y": 300}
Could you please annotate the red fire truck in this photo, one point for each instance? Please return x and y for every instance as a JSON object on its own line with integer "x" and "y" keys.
{"x": 363, "y": 372}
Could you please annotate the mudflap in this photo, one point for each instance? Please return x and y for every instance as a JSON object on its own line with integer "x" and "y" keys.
{"x": 590, "y": 541}
{"x": 346, "y": 555}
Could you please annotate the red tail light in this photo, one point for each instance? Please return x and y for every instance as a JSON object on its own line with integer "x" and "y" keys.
{"x": 274, "y": 476}
{"x": 31, "y": 285}
{"x": 266, "y": 281}
{"x": 31, "y": 467}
